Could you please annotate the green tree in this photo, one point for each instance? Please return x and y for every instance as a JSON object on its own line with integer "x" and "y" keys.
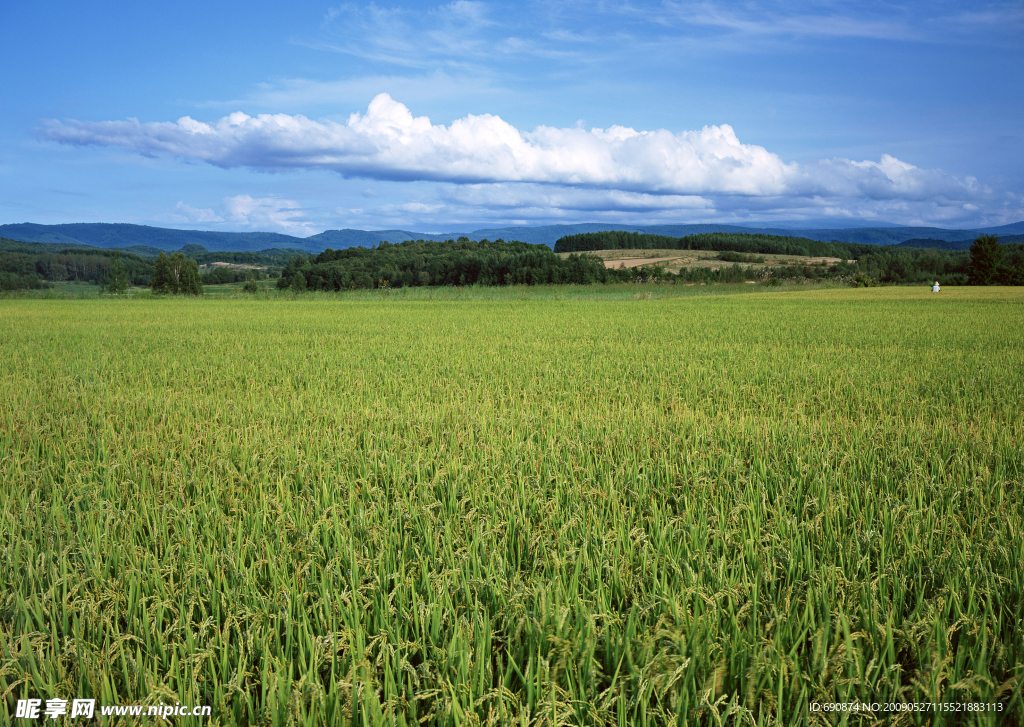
{"x": 176, "y": 275}
{"x": 117, "y": 280}
{"x": 189, "y": 282}
{"x": 299, "y": 282}
{"x": 986, "y": 260}
{"x": 1013, "y": 267}
{"x": 162, "y": 279}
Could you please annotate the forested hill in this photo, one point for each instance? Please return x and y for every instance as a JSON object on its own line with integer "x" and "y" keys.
{"x": 125, "y": 236}
{"x": 925, "y": 243}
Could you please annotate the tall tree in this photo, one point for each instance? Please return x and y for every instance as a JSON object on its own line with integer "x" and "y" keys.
{"x": 986, "y": 260}
{"x": 117, "y": 280}
{"x": 162, "y": 280}
{"x": 176, "y": 275}
{"x": 188, "y": 275}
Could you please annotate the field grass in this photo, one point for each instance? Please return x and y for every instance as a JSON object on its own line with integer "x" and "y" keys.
{"x": 706, "y": 509}
{"x": 594, "y": 292}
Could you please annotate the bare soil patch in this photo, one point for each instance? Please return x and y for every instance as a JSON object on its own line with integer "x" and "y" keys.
{"x": 234, "y": 266}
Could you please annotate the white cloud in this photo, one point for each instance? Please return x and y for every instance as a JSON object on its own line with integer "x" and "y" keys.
{"x": 389, "y": 143}
{"x": 186, "y": 213}
{"x": 245, "y": 211}
{"x": 283, "y": 214}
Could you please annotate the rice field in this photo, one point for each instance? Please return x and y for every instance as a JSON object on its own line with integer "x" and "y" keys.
{"x": 702, "y": 510}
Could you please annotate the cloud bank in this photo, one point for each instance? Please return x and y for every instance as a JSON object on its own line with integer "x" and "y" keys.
{"x": 496, "y": 165}
{"x": 389, "y": 143}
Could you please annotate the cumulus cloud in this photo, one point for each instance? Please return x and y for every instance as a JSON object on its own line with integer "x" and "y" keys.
{"x": 187, "y": 213}
{"x": 246, "y": 211}
{"x": 261, "y": 213}
{"x": 389, "y": 143}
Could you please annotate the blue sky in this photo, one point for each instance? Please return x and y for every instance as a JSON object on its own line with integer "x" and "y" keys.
{"x": 434, "y": 117}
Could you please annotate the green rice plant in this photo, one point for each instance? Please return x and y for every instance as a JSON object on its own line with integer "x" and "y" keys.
{"x": 703, "y": 509}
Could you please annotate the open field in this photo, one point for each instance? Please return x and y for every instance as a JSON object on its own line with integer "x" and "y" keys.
{"x": 676, "y": 260}
{"x": 701, "y": 509}
{"x": 593, "y": 292}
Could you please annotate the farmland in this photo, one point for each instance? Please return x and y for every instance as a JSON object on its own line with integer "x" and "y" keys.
{"x": 703, "y": 509}
{"x": 676, "y": 260}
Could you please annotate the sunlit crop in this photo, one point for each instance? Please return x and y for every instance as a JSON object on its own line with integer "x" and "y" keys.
{"x": 702, "y": 510}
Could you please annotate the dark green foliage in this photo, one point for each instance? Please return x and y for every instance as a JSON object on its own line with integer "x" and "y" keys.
{"x": 17, "y": 281}
{"x": 251, "y": 287}
{"x": 117, "y": 279}
{"x": 28, "y": 265}
{"x": 738, "y": 257}
{"x": 224, "y": 275}
{"x": 929, "y": 243}
{"x": 953, "y": 244}
{"x": 722, "y": 241}
{"x": 290, "y": 269}
{"x": 986, "y": 260}
{"x": 1012, "y": 272}
{"x": 616, "y": 240}
{"x": 454, "y": 262}
{"x": 993, "y": 263}
{"x": 176, "y": 275}
{"x": 860, "y": 280}
{"x": 18, "y": 272}
{"x": 188, "y": 275}
{"x": 264, "y": 258}
{"x": 162, "y": 273}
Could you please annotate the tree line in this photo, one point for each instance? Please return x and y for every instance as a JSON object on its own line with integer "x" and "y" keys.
{"x": 988, "y": 262}
{"x": 223, "y": 275}
{"x": 31, "y": 266}
{"x": 741, "y": 242}
{"x": 452, "y": 262}
{"x": 464, "y": 262}
{"x": 27, "y": 270}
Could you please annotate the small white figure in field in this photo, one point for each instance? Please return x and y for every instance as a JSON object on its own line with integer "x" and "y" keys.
{"x": 935, "y": 288}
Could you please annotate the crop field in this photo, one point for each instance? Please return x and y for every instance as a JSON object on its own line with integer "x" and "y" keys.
{"x": 703, "y": 510}
{"x": 676, "y": 260}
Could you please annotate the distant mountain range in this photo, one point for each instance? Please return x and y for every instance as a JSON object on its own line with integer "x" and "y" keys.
{"x": 127, "y": 237}
{"x": 95, "y": 234}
